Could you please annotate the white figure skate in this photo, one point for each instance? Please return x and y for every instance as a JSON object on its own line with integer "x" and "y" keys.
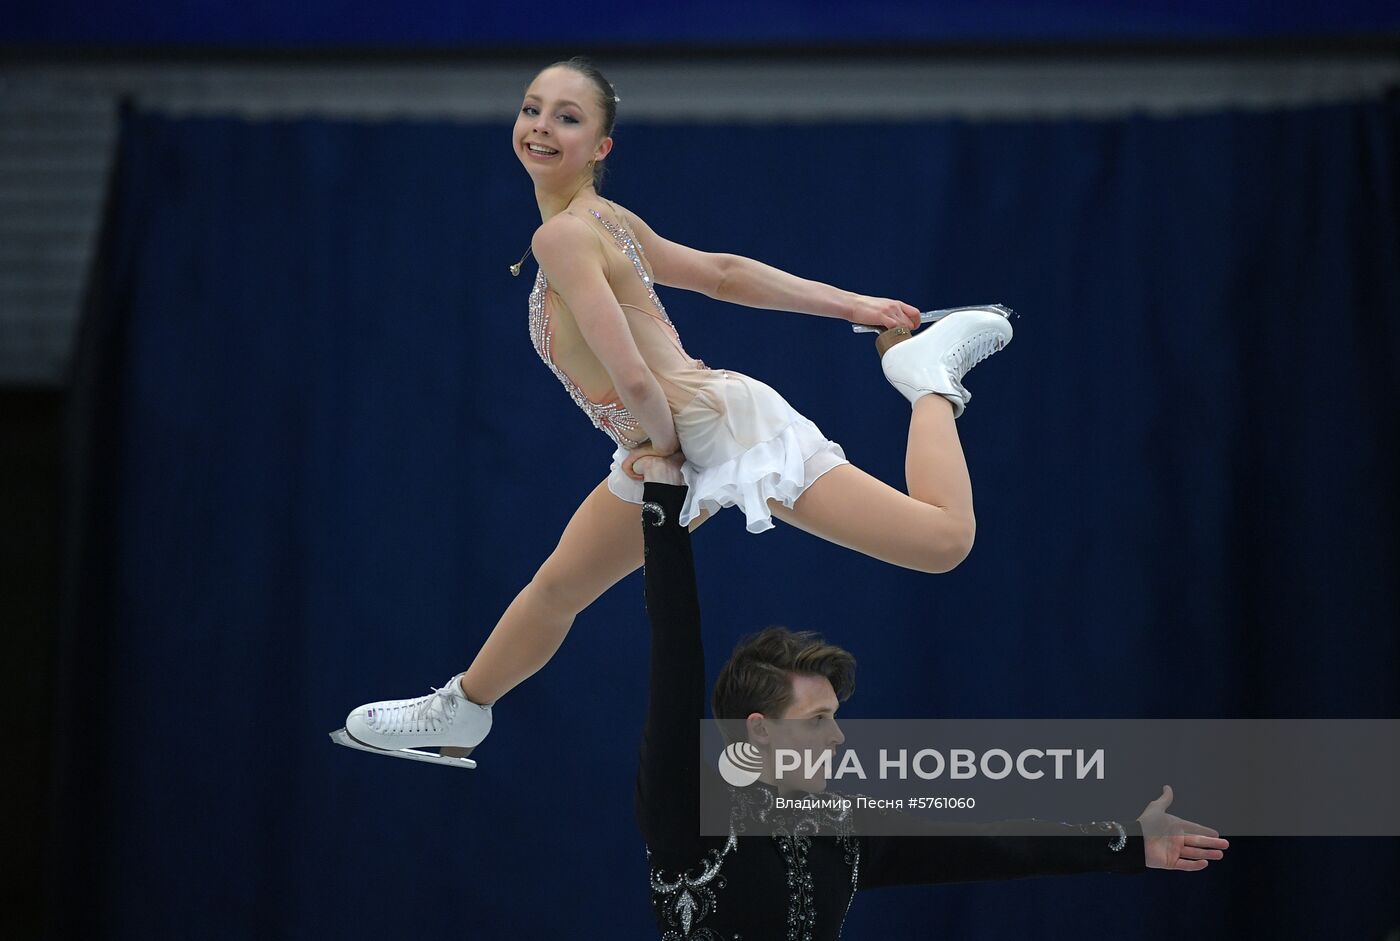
{"x": 935, "y": 360}
{"x": 445, "y": 720}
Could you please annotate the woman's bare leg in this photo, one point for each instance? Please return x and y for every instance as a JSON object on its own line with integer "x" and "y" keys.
{"x": 601, "y": 545}
{"x": 929, "y": 529}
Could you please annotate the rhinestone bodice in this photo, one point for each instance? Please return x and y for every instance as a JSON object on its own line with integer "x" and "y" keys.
{"x": 610, "y": 415}
{"x": 612, "y": 418}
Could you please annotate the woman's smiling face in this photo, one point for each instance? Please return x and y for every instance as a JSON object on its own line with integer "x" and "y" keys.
{"x": 557, "y": 131}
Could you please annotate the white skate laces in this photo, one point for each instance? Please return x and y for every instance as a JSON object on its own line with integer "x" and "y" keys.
{"x": 970, "y": 352}
{"x": 426, "y": 714}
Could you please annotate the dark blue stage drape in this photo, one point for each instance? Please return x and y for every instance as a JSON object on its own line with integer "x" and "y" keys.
{"x": 329, "y": 458}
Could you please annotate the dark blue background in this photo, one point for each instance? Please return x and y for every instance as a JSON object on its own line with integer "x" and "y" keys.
{"x": 431, "y": 23}
{"x": 327, "y": 457}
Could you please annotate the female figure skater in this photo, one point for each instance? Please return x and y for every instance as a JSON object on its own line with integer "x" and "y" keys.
{"x": 597, "y": 323}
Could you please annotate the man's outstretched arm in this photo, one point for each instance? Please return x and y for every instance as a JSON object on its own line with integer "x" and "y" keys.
{"x": 1010, "y": 849}
{"x": 1155, "y": 840}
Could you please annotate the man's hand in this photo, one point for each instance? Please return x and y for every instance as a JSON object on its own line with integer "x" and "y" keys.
{"x": 882, "y": 312}
{"x": 646, "y": 450}
{"x": 664, "y": 470}
{"x": 1172, "y": 843}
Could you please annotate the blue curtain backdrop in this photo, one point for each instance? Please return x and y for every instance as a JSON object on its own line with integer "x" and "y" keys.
{"x": 795, "y": 23}
{"x": 323, "y": 457}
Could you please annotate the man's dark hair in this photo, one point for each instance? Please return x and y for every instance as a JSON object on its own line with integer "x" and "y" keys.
{"x": 758, "y": 675}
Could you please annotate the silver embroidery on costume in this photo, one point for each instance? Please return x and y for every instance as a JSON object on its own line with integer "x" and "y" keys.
{"x": 653, "y": 514}
{"x": 1112, "y": 827}
{"x": 757, "y": 804}
{"x": 687, "y": 899}
{"x": 852, "y": 847}
{"x": 802, "y": 911}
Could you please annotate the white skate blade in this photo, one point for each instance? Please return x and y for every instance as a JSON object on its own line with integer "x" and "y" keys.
{"x": 342, "y": 737}
{"x": 929, "y": 316}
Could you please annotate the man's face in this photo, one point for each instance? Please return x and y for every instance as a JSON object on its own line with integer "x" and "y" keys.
{"x": 808, "y": 726}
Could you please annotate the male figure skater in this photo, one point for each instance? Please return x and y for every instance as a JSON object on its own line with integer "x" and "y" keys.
{"x": 794, "y": 885}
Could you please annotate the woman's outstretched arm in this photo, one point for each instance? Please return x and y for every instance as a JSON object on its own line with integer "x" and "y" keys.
{"x": 740, "y": 280}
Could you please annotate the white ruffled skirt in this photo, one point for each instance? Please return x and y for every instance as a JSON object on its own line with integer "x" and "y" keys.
{"x": 744, "y": 445}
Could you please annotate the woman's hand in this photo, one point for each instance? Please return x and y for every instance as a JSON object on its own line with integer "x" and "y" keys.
{"x": 646, "y": 450}
{"x": 882, "y": 312}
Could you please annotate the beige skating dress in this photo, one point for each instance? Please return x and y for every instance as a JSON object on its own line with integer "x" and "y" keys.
{"x": 743, "y": 443}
